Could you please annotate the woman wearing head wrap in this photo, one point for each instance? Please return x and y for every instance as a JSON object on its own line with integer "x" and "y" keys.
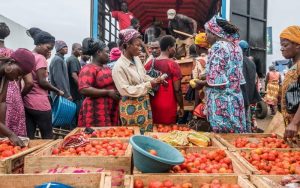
{"x": 100, "y": 107}
{"x": 273, "y": 80}
{"x": 20, "y": 63}
{"x": 15, "y": 113}
{"x": 290, "y": 48}
{"x": 132, "y": 82}
{"x": 225, "y": 103}
{"x": 36, "y": 102}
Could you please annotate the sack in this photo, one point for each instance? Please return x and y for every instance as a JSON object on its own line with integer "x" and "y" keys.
{"x": 199, "y": 124}
{"x": 292, "y": 97}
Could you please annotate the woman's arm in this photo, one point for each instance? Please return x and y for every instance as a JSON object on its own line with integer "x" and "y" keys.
{"x": 292, "y": 129}
{"x": 95, "y": 93}
{"x": 28, "y": 84}
{"x": 178, "y": 96}
{"x": 42, "y": 81}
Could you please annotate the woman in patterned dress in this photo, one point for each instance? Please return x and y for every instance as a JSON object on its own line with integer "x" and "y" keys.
{"x": 225, "y": 103}
{"x": 100, "y": 106}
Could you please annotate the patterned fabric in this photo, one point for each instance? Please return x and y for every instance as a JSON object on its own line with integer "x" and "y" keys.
{"x": 225, "y": 103}
{"x": 291, "y": 33}
{"x": 101, "y": 111}
{"x": 15, "y": 113}
{"x": 213, "y": 27}
{"x": 290, "y": 77}
{"x": 127, "y": 34}
{"x": 201, "y": 40}
{"x": 5, "y": 52}
{"x": 271, "y": 97}
{"x": 136, "y": 111}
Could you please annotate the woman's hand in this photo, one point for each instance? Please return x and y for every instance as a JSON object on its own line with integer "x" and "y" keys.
{"x": 16, "y": 140}
{"x": 290, "y": 131}
{"x": 181, "y": 112}
{"x": 114, "y": 94}
{"x": 60, "y": 93}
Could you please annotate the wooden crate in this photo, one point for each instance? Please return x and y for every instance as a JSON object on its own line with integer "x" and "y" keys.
{"x": 80, "y": 129}
{"x": 155, "y": 126}
{"x": 42, "y": 160}
{"x": 227, "y": 139}
{"x": 92, "y": 180}
{"x": 15, "y": 164}
{"x": 238, "y": 167}
{"x": 214, "y": 142}
{"x": 248, "y": 165}
{"x": 196, "y": 180}
{"x": 186, "y": 66}
{"x": 266, "y": 181}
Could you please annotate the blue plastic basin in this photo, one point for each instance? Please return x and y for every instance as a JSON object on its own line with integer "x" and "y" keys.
{"x": 63, "y": 112}
{"x": 167, "y": 155}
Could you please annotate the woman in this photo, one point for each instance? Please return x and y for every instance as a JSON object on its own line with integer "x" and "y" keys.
{"x": 36, "y": 102}
{"x": 225, "y": 103}
{"x": 100, "y": 107}
{"x": 20, "y": 63}
{"x": 15, "y": 113}
{"x": 272, "y": 84}
{"x": 168, "y": 97}
{"x": 290, "y": 48}
{"x": 132, "y": 82}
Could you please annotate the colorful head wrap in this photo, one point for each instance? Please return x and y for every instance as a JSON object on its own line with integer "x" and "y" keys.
{"x": 126, "y": 35}
{"x": 25, "y": 59}
{"x": 214, "y": 28}
{"x": 291, "y": 33}
{"x": 115, "y": 54}
{"x": 201, "y": 40}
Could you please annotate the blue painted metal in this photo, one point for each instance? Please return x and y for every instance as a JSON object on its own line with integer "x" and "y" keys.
{"x": 95, "y": 19}
{"x": 223, "y": 9}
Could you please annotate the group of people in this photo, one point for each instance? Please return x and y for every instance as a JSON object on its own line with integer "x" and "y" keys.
{"x": 118, "y": 88}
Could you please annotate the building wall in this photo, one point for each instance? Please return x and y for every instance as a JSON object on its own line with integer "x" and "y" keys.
{"x": 281, "y": 14}
{"x": 18, "y": 37}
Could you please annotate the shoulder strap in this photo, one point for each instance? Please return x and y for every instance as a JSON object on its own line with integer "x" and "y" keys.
{"x": 153, "y": 63}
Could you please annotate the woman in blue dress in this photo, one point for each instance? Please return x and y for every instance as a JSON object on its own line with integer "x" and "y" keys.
{"x": 225, "y": 104}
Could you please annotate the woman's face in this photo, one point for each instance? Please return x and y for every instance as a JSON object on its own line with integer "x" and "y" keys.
{"x": 45, "y": 50}
{"x": 103, "y": 56}
{"x": 288, "y": 49}
{"x": 135, "y": 47}
{"x": 13, "y": 71}
{"x": 211, "y": 38}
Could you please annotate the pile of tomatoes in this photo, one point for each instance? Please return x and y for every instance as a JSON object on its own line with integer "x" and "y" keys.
{"x": 7, "y": 149}
{"x": 138, "y": 183}
{"x": 269, "y": 161}
{"x": 112, "y": 132}
{"x": 205, "y": 162}
{"x": 268, "y": 142}
{"x": 168, "y": 128}
{"x": 94, "y": 148}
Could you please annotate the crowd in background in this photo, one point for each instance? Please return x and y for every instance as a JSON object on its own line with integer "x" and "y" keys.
{"x": 128, "y": 82}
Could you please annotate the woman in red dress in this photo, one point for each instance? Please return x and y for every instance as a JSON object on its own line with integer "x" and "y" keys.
{"x": 168, "y": 97}
{"x": 100, "y": 107}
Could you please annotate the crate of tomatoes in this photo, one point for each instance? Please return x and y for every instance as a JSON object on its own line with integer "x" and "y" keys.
{"x": 235, "y": 141}
{"x": 109, "y": 154}
{"x": 169, "y": 128}
{"x": 99, "y": 180}
{"x": 107, "y": 132}
{"x": 207, "y": 161}
{"x": 187, "y": 181}
{"x": 268, "y": 161}
{"x": 12, "y": 157}
{"x": 271, "y": 181}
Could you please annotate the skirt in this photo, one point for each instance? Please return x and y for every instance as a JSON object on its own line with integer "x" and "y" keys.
{"x": 136, "y": 111}
{"x": 271, "y": 97}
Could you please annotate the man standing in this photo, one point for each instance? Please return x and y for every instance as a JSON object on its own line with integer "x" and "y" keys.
{"x": 74, "y": 68}
{"x": 184, "y": 24}
{"x": 154, "y": 50}
{"x": 124, "y": 16}
{"x": 58, "y": 70}
{"x": 134, "y": 24}
{"x": 84, "y": 60}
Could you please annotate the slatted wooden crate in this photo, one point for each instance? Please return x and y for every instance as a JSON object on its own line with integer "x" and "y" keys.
{"x": 77, "y": 130}
{"x": 15, "y": 163}
{"x": 266, "y": 181}
{"x": 91, "y": 180}
{"x": 42, "y": 160}
{"x": 155, "y": 126}
{"x": 238, "y": 167}
{"x": 228, "y": 139}
{"x": 196, "y": 180}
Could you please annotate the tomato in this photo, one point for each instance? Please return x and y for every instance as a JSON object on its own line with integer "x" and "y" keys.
{"x": 155, "y": 184}
{"x": 7, "y": 153}
{"x": 138, "y": 183}
{"x": 168, "y": 183}
{"x": 153, "y": 152}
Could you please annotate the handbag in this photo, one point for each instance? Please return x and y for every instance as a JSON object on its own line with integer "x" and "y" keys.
{"x": 154, "y": 74}
{"x": 292, "y": 97}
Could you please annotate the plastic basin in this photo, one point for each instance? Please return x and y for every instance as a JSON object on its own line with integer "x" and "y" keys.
{"x": 167, "y": 155}
{"x": 63, "y": 112}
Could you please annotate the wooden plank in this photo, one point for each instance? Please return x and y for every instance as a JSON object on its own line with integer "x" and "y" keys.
{"x": 238, "y": 167}
{"x": 196, "y": 180}
{"x": 15, "y": 163}
{"x": 91, "y": 180}
{"x": 42, "y": 160}
{"x": 81, "y": 129}
{"x": 266, "y": 181}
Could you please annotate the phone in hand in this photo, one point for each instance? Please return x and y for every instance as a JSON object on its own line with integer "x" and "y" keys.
{"x": 164, "y": 76}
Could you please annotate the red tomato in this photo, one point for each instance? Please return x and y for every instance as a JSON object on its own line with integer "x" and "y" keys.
{"x": 153, "y": 152}
{"x": 155, "y": 184}
{"x": 138, "y": 183}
